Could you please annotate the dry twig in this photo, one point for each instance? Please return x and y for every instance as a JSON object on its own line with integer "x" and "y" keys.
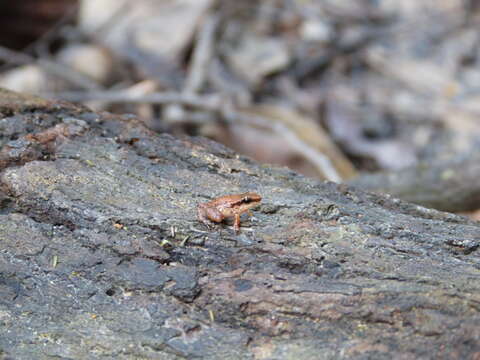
{"x": 202, "y": 55}
{"x": 205, "y": 102}
{"x": 321, "y": 162}
{"x": 60, "y": 70}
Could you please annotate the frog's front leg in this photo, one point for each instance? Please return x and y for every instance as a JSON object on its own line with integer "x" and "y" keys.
{"x": 236, "y": 223}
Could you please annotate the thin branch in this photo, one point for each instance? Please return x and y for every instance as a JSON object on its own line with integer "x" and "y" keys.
{"x": 322, "y": 162}
{"x": 206, "y": 102}
{"x": 41, "y": 45}
{"x": 202, "y": 55}
{"x": 58, "y": 69}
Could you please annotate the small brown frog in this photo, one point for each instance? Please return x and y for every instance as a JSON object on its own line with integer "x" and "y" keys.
{"x": 227, "y": 206}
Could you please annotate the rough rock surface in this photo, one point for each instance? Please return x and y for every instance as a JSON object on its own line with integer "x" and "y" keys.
{"x": 102, "y": 257}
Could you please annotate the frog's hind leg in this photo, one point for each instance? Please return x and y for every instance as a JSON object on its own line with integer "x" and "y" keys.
{"x": 207, "y": 215}
{"x": 202, "y": 217}
{"x": 214, "y": 215}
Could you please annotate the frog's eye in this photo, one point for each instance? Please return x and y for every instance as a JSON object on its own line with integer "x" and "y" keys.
{"x": 247, "y": 199}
